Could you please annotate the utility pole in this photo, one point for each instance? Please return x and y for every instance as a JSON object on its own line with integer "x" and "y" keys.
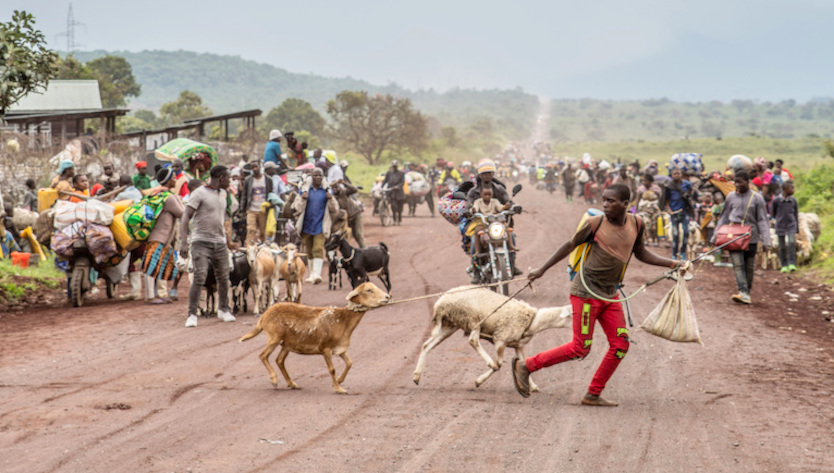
{"x": 70, "y": 32}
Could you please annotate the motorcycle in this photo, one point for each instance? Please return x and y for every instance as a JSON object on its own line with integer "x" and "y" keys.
{"x": 79, "y": 267}
{"x": 496, "y": 263}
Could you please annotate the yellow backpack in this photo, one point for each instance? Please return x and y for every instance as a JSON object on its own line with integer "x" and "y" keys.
{"x": 582, "y": 250}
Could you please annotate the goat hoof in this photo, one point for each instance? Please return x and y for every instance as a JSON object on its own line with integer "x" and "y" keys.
{"x": 534, "y": 388}
{"x": 341, "y": 391}
{"x": 416, "y": 379}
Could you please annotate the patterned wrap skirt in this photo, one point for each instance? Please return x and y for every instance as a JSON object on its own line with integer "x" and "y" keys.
{"x": 160, "y": 261}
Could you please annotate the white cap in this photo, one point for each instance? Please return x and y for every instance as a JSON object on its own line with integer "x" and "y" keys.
{"x": 273, "y": 134}
{"x": 343, "y": 163}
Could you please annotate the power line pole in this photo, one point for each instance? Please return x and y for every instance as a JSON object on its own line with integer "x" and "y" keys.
{"x": 70, "y": 32}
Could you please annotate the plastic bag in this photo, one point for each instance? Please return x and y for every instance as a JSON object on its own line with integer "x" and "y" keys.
{"x": 674, "y": 318}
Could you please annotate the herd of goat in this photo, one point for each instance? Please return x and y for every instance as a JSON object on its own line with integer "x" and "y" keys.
{"x": 479, "y": 312}
{"x": 260, "y": 268}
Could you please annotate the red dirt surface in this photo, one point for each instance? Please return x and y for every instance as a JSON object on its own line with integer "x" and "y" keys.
{"x": 121, "y": 386}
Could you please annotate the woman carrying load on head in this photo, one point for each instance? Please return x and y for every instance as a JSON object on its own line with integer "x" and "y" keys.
{"x": 160, "y": 258}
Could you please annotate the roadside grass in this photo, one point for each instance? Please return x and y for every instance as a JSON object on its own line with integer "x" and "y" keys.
{"x": 815, "y": 193}
{"x": 16, "y": 283}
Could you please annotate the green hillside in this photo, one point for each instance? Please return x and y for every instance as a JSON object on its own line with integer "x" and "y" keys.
{"x": 662, "y": 119}
{"x": 230, "y": 83}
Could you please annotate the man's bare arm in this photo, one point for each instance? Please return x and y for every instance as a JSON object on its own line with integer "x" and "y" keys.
{"x": 645, "y": 255}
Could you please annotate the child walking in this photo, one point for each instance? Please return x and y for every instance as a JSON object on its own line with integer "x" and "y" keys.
{"x": 786, "y": 213}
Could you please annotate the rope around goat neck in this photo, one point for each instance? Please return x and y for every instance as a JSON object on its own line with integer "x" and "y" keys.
{"x": 480, "y": 286}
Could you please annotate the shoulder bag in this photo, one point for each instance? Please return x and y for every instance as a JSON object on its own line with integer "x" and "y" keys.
{"x": 730, "y": 231}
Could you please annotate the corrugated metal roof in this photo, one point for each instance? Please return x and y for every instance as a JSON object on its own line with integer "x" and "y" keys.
{"x": 62, "y": 95}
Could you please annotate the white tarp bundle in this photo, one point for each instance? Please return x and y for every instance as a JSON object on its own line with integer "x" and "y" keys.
{"x": 674, "y": 318}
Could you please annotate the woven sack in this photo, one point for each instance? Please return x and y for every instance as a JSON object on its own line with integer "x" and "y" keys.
{"x": 141, "y": 216}
{"x": 674, "y": 318}
{"x": 451, "y": 209}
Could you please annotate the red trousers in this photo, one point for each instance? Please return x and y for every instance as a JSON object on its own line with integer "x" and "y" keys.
{"x": 585, "y": 312}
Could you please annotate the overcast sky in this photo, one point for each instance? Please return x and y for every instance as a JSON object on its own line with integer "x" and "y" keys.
{"x": 685, "y": 50}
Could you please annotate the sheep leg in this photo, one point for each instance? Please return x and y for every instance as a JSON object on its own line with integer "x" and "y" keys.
{"x": 279, "y": 360}
{"x": 475, "y": 341}
{"x": 272, "y": 343}
{"x": 348, "y": 364}
{"x": 438, "y": 334}
{"x": 298, "y": 288}
{"x": 499, "y": 351}
{"x": 519, "y": 352}
{"x": 328, "y": 358}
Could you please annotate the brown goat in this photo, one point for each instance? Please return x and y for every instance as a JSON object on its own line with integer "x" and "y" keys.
{"x": 292, "y": 271}
{"x": 315, "y": 330}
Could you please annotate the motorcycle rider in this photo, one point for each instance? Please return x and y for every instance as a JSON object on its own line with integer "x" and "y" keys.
{"x": 485, "y": 179}
{"x": 395, "y": 179}
{"x": 450, "y": 173}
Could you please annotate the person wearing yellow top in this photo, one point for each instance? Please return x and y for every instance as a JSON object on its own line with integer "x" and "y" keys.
{"x": 61, "y": 182}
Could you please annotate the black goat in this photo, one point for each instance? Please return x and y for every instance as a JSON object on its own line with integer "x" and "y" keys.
{"x": 239, "y": 280}
{"x": 334, "y": 274}
{"x": 361, "y": 263}
{"x": 211, "y": 292}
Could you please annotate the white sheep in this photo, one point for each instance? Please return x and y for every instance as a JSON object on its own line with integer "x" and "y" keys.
{"x": 513, "y": 325}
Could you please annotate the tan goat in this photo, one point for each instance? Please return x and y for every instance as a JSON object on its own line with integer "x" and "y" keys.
{"x": 263, "y": 276}
{"x": 292, "y": 271}
{"x": 315, "y": 330}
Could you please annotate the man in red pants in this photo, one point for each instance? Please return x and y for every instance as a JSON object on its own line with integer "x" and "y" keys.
{"x": 613, "y": 237}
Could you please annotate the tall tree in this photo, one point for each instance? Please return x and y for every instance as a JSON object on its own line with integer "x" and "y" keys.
{"x": 116, "y": 81}
{"x": 295, "y": 115}
{"x": 187, "y": 107}
{"x": 371, "y": 125}
{"x": 113, "y": 73}
{"x": 26, "y": 64}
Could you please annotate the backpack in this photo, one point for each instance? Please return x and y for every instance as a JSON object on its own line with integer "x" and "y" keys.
{"x": 141, "y": 216}
{"x": 581, "y": 252}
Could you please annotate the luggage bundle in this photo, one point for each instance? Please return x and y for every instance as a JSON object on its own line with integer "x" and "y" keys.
{"x": 96, "y": 238}
{"x": 452, "y": 209}
{"x": 140, "y": 217}
{"x": 92, "y": 211}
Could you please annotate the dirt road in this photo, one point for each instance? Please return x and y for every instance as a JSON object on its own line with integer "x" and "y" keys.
{"x": 121, "y": 386}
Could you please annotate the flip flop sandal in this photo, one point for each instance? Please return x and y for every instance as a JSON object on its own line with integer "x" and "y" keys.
{"x": 157, "y": 302}
{"x": 521, "y": 386}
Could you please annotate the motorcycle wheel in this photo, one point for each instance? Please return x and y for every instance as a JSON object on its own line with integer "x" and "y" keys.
{"x": 385, "y": 214}
{"x": 76, "y": 285}
{"x": 501, "y": 265}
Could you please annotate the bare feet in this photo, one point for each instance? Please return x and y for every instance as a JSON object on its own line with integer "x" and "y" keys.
{"x": 595, "y": 400}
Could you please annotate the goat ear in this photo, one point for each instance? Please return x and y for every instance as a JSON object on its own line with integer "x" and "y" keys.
{"x": 353, "y": 294}
{"x": 301, "y": 254}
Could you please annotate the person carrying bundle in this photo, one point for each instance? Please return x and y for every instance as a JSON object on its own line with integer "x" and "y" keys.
{"x": 611, "y": 238}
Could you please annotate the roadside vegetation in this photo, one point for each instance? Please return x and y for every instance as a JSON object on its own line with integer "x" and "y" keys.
{"x": 18, "y": 284}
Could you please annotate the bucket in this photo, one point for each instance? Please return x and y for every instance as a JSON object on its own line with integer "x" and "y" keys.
{"x": 121, "y": 205}
{"x": 46, "y": 197}
{"x": 20, "y": 259}
{"x": 120, "y": 234}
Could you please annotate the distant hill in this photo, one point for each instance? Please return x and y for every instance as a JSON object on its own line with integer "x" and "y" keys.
{"x": 663, "y": 119}
{"x": 230, "y": 83}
